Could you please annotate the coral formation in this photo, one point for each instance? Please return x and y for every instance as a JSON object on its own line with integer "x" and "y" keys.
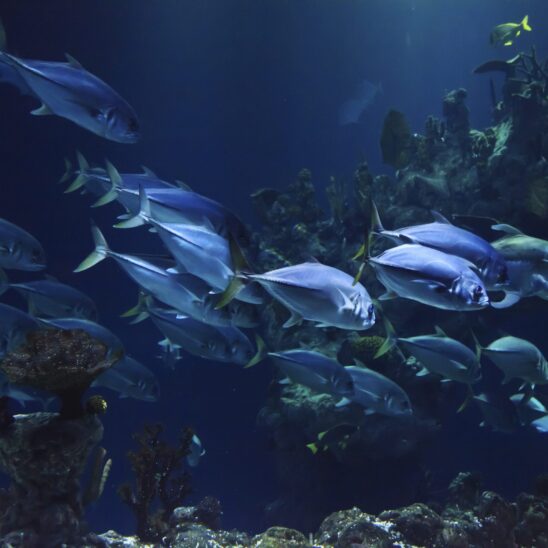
{"x": 471, "y": 517}
{"x": 160, "y": 484}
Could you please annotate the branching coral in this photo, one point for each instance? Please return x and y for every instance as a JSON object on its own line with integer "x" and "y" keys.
{"x": 160, "y": 483}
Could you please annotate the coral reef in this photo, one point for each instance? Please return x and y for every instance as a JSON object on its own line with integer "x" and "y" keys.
{"x": 471, "y": 517}
{"x": 63, "y": 362}
{"x": 45, "y": 454}
{"x": 160, "y": 485}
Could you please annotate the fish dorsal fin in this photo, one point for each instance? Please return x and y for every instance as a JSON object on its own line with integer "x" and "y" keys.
{"x": 312, "y": 259}
{"x": 439, "y": 331}
{"x": 73, "y": 62}
{"x": 42, "y": 110}
{"x": 439, "y": 218}
{"x": 183, "y": 186}
{"x": 149, "y": 172}
{"x": 507, "y": 229}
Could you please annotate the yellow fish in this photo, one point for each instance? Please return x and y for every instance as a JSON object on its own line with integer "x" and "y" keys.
{"x": 507, "y": 32}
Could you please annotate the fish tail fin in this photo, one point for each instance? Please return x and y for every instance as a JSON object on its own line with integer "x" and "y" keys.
{"x": 525, "y": 24}
{"x": 144, "y": 212}
{"x": 69, "y": 170}
{"x": 477, "y": 346}
{"x": 365, "y": 250}
{"x": 238, "y": 281}
{"x": 81, "y": 178}
{"x": 139, "y": 312}
{"x": 115, "y": 184}
{"x": 98, "y": 254}
{"x": 261, "y": 352}
{"x": 390, "y": 341}
{"x": 4, "y": 282}
{"x": 467, "y": 400}
{"x": 313, "y": 447}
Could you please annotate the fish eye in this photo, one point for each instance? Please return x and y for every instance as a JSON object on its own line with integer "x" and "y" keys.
{"x": 477, "y": 292}
{"x": 370, "y": 311}
{"x": 503, "y": 275}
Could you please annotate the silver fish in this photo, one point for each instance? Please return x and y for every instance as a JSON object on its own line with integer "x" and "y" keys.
{"x": 54, "y": 299}
{"x": 189, "y": 297}
{"x": 518, "y": 359}
{"x": 197, "y": 451}
{"x": 541, "y": 424}
{"x": 430, "y": 277}
{"x": 528, "y": 409}
{"x": 319, "y": 293}
{"x": 96, "y": 181}
{"x": 498, "y": 413}
{"x": 199, "y": 251}
{"x": 527, "y": 260}
{"x": 444, "y": 236}
{"x": 108, "y": 338}
{"x": 15, "y": 325}
{"x": 439, "y": 354}
{"x": 224, "y": 344}
{"x": 70, "y": 91}
{"x": 175, "y": 205}
{"x": 19, "y": 250}
{"x": 314, "y": 370}
{"x": 130, "y": 379}
{"x": 377, "y": 393}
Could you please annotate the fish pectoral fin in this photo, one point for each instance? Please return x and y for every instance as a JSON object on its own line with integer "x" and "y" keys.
{"x": 294, "y": 319}
{"x": 368, "y": 412}
{"x": 343, "y": 402}
{"x": 284, "y": 381}
{"x": 459, "y": 366}
{"x": 423, "y": 372}
{"x": 388, "y": 295}
{"x": 42, "y": 110}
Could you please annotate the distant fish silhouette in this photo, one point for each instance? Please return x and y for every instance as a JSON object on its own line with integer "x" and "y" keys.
{"x": 351, "y": 110}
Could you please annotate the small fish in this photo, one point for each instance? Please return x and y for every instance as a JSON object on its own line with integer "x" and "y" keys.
{"x": 19, "y": 250}
{"x": 518, "y": 359}
{"x": 130, "y": 379}
{"x": 70, "y": 91}
{"x": 439, "y": 354}
{"x": 196, "y": 453}
{"x": 319, "y": 293}
{"x": 528, "y": 408}
{"x": 430, "y": 277}
{"x": 335, "y": 438}
{"x": 541, "y": 424}
{"x": 351, "y": 111}
{"x": 506, "y": 33}
{"x": 377, "y": 393}
{"x": 176, "y": 205}
{"x": 199, "y": 251}
{"x": 51, "y": 298}
{"x": 314, "y": 370}
{"x": 15, "y": 325}
{"x": 498, "y": 413}
{"x": 95, "y": 330}
{"x": 187, "y": 294}
{"x": 224, "y": 344}
{"x": 527, "y": 261}
{"x": 96, "y": 181}
{"x": 444, "y": 236}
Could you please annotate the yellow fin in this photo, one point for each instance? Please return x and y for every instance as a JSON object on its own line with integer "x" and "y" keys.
{"x": 509, "y": 43}
{"x": 525, "y": 24}
{"x": 313, "y": 447}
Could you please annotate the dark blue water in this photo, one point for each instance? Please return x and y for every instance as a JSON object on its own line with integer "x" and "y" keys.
{"x": 234, "y": 96}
